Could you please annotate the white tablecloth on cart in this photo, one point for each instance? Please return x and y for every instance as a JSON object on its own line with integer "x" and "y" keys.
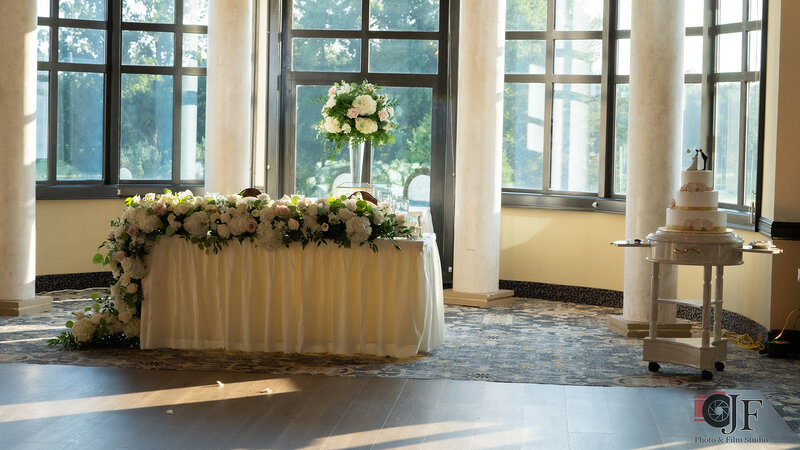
{"x": 322, "y": 299}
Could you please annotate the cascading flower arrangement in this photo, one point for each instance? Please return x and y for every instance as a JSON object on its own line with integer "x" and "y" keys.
{"x": 211, "y": 222}
{"x": 355, "y": 113}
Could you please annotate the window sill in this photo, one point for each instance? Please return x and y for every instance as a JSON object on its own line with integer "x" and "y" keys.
{"x": 739, "y": 220}
{"x": 107, "y": 191}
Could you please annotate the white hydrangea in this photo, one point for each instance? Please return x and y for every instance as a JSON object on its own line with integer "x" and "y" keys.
{"x": 350, "y": 203}
{"x": 124, "y": 279}
{"x": 344, "y": 89}
{"x": 133, "y": 267}
{"x": 378, "y": 218}
{"x": 366, "y": 126}
{"x": 132, "y": 327}
{"x": 83, "y": 330}
{"x": 182, "y": 209}
{"x": 345, "y": 214}
{"x": 269, "y": 237}
{"x": 197, "y": 224}
{"x": 223, "y": 231}
{"x": 126, "y": 312}
{"x": 358, "y": 229}
{"x": 365, "y": 105}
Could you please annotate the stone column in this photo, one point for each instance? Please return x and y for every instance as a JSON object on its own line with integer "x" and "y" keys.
{"x": 654, "y": 155}
{"x": 18, "y": 160}
{"x": 476, "y": 267}
{"x": 229, "y": 95}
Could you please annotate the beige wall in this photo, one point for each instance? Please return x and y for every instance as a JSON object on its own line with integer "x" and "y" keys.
{"x": 573, "y": 248}
{"x": 68, "y": 233}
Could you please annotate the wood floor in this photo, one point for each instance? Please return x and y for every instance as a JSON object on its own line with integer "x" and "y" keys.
{"x": 52, "y": 407}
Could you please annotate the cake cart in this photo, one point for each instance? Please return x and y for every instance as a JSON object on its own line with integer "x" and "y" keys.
{"x": 712, "y": 251}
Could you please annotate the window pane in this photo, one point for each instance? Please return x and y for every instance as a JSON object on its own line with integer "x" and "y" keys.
{"x": 525, "y": 57}
{"x": 42, "y": 98}
{"x": 315, "y": 175}
{"x": 403, "y": 168}
{"x": 623, "y": 56}
{"x": 403, "y": 56}
{"x": 576, "y": 137}
{"x": 756, "y": 7}
{"x": 150, "y": 11}
{"x": 404, "y": 15}
{"x": 579, "y": 14}
{"x": 43, "y": 47}
{"x": 624, "y": 15}
{"x": 43, "y": 8}
{"x": 729, "y": 56}
{"x": 193, "y": 127}
{"x": 326, "y": 14}
{"x": 82, "y": 9}
{"x": 693, "y": 12}
{"x": 80, "y": 126}
{"x": 148, "y": 48}
{"x": 693, "y": 54}
{"x": 692, "y": 102}
{"x": 726, "y": 145}
{"x": 195, "y": 12}
{"x": 754, "y": 51}
{"x": 751, "y": 149}
{"x": 326, "y": 55}
{"x": 81, "y": 45}
{"x": 523, "y": 135}
{"x": 146, "y": 127}
{"x": 729, "y": 11}
{"x": 526, "y": 15}
{"x": 578, "y": 57}
{"x": 195, "y": 50}
{"x": 621, "y": 140}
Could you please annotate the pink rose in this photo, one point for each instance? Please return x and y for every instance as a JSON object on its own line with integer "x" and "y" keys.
{"x": 119, "y": 256}
{"x": 383, "y": 115}
{"x": 352, "y": 113}
{"x": 251, "y": 225}
{"x": 133, "y": 230}
{"x": 160, "y": 209}
{"x": 282, "y": 211}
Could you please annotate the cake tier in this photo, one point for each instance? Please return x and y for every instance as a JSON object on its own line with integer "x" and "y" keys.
{"x": 693, "y": 220}
{"x": 697, "y": 178}
{"x": 703, "y": 200}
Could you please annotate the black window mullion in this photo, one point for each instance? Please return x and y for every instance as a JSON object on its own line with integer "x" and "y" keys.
{"x": 111, "y": 108}
{"x": 741, "y": 195}
{"x": 52, "y": 100}
{"x": 177, "y": 94}
{"x": 548, "y": 95}
{"x": 364, "y": 36}
{"x": 708, "y": 84}
{"x": 605, "y": 185}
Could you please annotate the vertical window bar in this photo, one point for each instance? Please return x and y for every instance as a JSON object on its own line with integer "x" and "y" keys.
{"x": 177, "y": 96}
{"x": 52, "y": 100}
{"x": 606, "y": 158}
{"x": 548, "y": 95}
{"x": 114, "y": 94}
{"x": 709, "y": 81}
{"x": 740, "y": 194}
{"x": 761, "y": 110}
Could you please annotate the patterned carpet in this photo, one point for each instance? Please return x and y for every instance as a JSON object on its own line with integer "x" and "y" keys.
{"x": 531, "y": 341}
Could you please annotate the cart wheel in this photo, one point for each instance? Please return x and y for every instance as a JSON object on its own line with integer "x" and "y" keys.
{"x": 719, "y": 366}
{"x": 707, "y": 375}
{"x": 653, "y": 366}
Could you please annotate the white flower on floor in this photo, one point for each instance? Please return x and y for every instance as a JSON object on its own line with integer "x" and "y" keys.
{"x": 83, "y": 330}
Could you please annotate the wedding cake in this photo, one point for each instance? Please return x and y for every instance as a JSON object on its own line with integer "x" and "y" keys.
{"x": 695, "y": 206}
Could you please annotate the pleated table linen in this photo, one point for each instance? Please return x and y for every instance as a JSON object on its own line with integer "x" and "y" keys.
{"x": 321, "y": 299}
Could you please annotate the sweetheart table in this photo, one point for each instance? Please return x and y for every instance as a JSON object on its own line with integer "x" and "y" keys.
{"x": 321, "y": 299}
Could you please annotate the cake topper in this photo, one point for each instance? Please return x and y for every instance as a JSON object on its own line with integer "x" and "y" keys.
{"x": 698, "y": 152}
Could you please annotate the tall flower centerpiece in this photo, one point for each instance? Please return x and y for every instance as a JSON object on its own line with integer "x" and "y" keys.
{"x": 354, "y": 114}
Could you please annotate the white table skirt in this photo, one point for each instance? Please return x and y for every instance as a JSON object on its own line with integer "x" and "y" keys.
{"x": 322, "y": 299}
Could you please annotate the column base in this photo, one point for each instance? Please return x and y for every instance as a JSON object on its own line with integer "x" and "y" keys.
{"x": 629, "y": 328}
{"x": 499, "y": 297}
{"x": 26, "y": 306}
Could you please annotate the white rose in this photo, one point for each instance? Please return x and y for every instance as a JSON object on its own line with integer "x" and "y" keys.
{"x": 350, "y": 203}
{"x": 294, "y": 225}
{"x": 125, "y": 280}
{"x": 324, "y": 227}
{"x": 223, "y": 231}
{"x": 366, "y": 126}
{"x": 132, "y": 288}
{"x": 390, "y": 110}
{"x": 330, "y": 103}
{"x": 346, "y": 128}
{"x": 365, "y": 105}
{"x": 83, "y": 330}
{"x": 182, "y": 208}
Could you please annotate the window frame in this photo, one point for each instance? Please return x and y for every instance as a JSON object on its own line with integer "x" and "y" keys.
{"x": 110, "y": 186}
{"x": 605, "y": 200}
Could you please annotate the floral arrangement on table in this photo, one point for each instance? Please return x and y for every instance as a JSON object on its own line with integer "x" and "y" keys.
{"x": 356, "y": 113}
{"x": 211, "y": 222}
